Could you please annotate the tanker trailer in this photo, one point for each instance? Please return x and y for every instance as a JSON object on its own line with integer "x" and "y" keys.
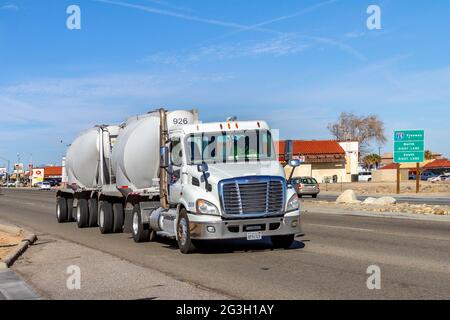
{"x": 88, "y": 169}
{"x": 174, "y": 176}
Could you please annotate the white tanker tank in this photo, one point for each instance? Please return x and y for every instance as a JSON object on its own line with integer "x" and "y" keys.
{"x": 135, "y": 157}
{"x": 83, "y": 164}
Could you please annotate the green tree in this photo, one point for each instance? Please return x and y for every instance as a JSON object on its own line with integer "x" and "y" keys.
{"x": 428, "y": 155}
{"x": 372, "y": 160}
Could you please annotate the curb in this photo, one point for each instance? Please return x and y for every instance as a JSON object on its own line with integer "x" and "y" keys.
{"x": 28, "y": 240}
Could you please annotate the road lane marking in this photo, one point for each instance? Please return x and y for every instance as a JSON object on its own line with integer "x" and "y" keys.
{"x": 339, "y": 227}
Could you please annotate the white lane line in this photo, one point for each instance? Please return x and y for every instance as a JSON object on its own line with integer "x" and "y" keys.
{"x": 339, "y": 227}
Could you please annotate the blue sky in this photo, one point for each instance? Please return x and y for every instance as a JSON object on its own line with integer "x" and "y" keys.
{"x": 295, "y": 63}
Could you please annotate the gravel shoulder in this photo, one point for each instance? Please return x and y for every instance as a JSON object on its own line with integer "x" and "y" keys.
{"x": 8, "y": 243}
{"x": 51, "y": 263}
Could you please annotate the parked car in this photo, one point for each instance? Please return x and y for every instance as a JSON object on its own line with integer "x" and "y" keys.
{"x": 425, "y": 176}
{"x": 441, "y": 177}
{"x": 11, "y": 185}
{"x": 305, "y": 186}
{"x": 45, "y": 186}
{"x": 365, "y": 176}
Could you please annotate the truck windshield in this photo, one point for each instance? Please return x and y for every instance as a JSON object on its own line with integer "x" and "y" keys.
{"x": 235, "y": 146}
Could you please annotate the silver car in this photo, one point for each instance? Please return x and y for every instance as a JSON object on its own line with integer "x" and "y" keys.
{"x": 305, "y": 186}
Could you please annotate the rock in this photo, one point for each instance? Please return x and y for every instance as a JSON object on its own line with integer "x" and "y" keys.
{"x": 384, "y": 201}
{"x": 439, "y": 212}
{"x": 348, "y": 196}
{"x": 370, "y": 200}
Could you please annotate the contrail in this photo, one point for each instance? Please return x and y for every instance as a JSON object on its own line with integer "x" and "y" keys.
{"x": 240, "y": 27}
{"x": 185, "y": 16}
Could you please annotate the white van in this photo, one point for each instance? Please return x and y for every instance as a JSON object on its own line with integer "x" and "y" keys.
{"x": 365, "y": 176}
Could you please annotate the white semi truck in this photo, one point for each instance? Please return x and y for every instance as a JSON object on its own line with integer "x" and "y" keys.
{"x": 168, "y": 174}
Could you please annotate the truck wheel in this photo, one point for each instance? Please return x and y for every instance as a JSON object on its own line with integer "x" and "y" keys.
{"x": 183, "y": 233}
{"x": 61, "y": 210}
{"x": 139, "y": 232}
{"x": 118, "y": 218}
{"x": 105, "y": 217}
{"x": 82, "y": 213}
{"x": 284, "y": 242}
{"x": 70, "y": 212}
{"x": 93, "y": 212}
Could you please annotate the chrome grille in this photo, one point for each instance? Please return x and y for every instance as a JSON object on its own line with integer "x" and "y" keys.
{"x": 257, "y": 196}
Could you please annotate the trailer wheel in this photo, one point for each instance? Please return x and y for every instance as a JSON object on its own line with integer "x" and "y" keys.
{"x": 82, "y": 213}
{"x": 105, "y": 217}
{"x": 61, "y": 210}
{"x": 93, "y": 212}
{"x": 118, "y": 218}
{"x": 139, "y": 232}
{"x": 70, "y": 212}
{"x": 183, "y": 233}
{"x": 282, "y": 242}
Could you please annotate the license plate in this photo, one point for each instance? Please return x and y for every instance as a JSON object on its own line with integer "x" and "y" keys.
{"x": 254, "y": 235}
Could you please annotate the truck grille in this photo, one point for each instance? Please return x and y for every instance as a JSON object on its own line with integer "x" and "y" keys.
{"x": 252, "y": 196}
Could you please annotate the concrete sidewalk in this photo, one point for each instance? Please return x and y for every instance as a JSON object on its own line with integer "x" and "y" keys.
{"x": 14, "y": 288}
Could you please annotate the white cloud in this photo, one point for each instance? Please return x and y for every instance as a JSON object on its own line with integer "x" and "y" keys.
{"x": 12, "y": 7}
{"x": 275, "y": 47}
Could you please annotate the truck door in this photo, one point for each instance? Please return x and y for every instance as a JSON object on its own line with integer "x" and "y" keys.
{"x": 175, "y": 177}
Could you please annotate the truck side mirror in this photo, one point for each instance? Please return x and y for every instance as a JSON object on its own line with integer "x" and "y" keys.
{"x": 164, "y": 160}
{"x": 203, "y": 168}
{"x": 294, "y": 163}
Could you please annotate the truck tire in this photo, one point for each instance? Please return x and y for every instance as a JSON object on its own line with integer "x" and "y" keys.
{"x": 70, "y": 212}
{"x": 139, "y": 232}
{"x": 282, "y": 242}
{"x": 93, "y": 212}
{"x": 183, "y": 233}
{"x": 61, "y": 210}
{"x": 82, "y": 213}
{"x": 118, "y": 218}
{"x": 105, "y": 217}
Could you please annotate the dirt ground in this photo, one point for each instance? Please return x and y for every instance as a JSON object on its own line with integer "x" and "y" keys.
{"x": 8, "y": 242}
{"x": 362, "y": 188}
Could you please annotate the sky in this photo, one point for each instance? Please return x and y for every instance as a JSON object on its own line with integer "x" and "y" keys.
{"x": 295, "y": 63}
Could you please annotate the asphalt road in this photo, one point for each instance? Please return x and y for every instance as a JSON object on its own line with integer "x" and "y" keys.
{"x": 400, "y": 198}
{"x": 329, "y": 262}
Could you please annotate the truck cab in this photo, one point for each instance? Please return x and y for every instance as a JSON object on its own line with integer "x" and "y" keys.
{"x": 226, "y": 182}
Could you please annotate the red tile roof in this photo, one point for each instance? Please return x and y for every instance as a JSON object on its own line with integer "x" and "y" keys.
{"x": 439, "y": 163}
{"x": 313, "y": 147}
{"x": 390, "y": 166}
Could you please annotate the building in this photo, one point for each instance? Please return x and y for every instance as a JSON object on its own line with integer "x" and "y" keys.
{"x": 388, "y": 173}
{"x": 351, "y": 149}
{"x": 439, "y": 166}
{"x": 325, "y": 160}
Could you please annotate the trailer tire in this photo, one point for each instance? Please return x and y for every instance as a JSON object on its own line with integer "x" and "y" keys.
{"x": 282, "y": 242}
{"x": 118, "y": 218}
{"x": 82, "y": 213}
{"x": 105, "y": 217}
{"x": 70, "y": 216}
{"x": 183, "y": 233}
{"x": 61, "y": 210}
{"x": 93, "y": 212}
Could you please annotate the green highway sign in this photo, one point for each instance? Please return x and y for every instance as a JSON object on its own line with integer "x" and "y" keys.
{"x": 409, "y": 146}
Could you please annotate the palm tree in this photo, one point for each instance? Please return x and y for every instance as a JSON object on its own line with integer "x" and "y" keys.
{"x": 428, "y": 155}
{"x": 371, "y": 160}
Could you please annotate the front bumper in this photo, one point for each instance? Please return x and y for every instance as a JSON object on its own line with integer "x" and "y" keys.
{"x": 214, "y": 228}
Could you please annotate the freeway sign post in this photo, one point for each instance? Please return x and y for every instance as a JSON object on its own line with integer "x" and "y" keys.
{"x": 409, "y": 147}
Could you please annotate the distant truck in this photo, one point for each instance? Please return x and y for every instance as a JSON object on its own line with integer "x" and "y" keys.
{"x": 167, "y": 174}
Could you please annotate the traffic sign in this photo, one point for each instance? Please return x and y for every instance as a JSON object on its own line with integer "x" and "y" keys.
{"x": 409, "y": 146}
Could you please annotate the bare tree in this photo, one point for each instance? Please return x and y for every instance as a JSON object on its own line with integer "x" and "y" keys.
{"x": 364, "y": 129}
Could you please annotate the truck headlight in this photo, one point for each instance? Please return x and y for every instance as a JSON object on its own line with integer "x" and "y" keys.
{"x": 206, "y": 207}
{"x": 292, "y": 204}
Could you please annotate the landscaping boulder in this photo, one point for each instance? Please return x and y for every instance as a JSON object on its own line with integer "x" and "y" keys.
{"x": 348, "y": 196}
{"x": 370, "y": 200}
{"x": 384, "y": 201}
